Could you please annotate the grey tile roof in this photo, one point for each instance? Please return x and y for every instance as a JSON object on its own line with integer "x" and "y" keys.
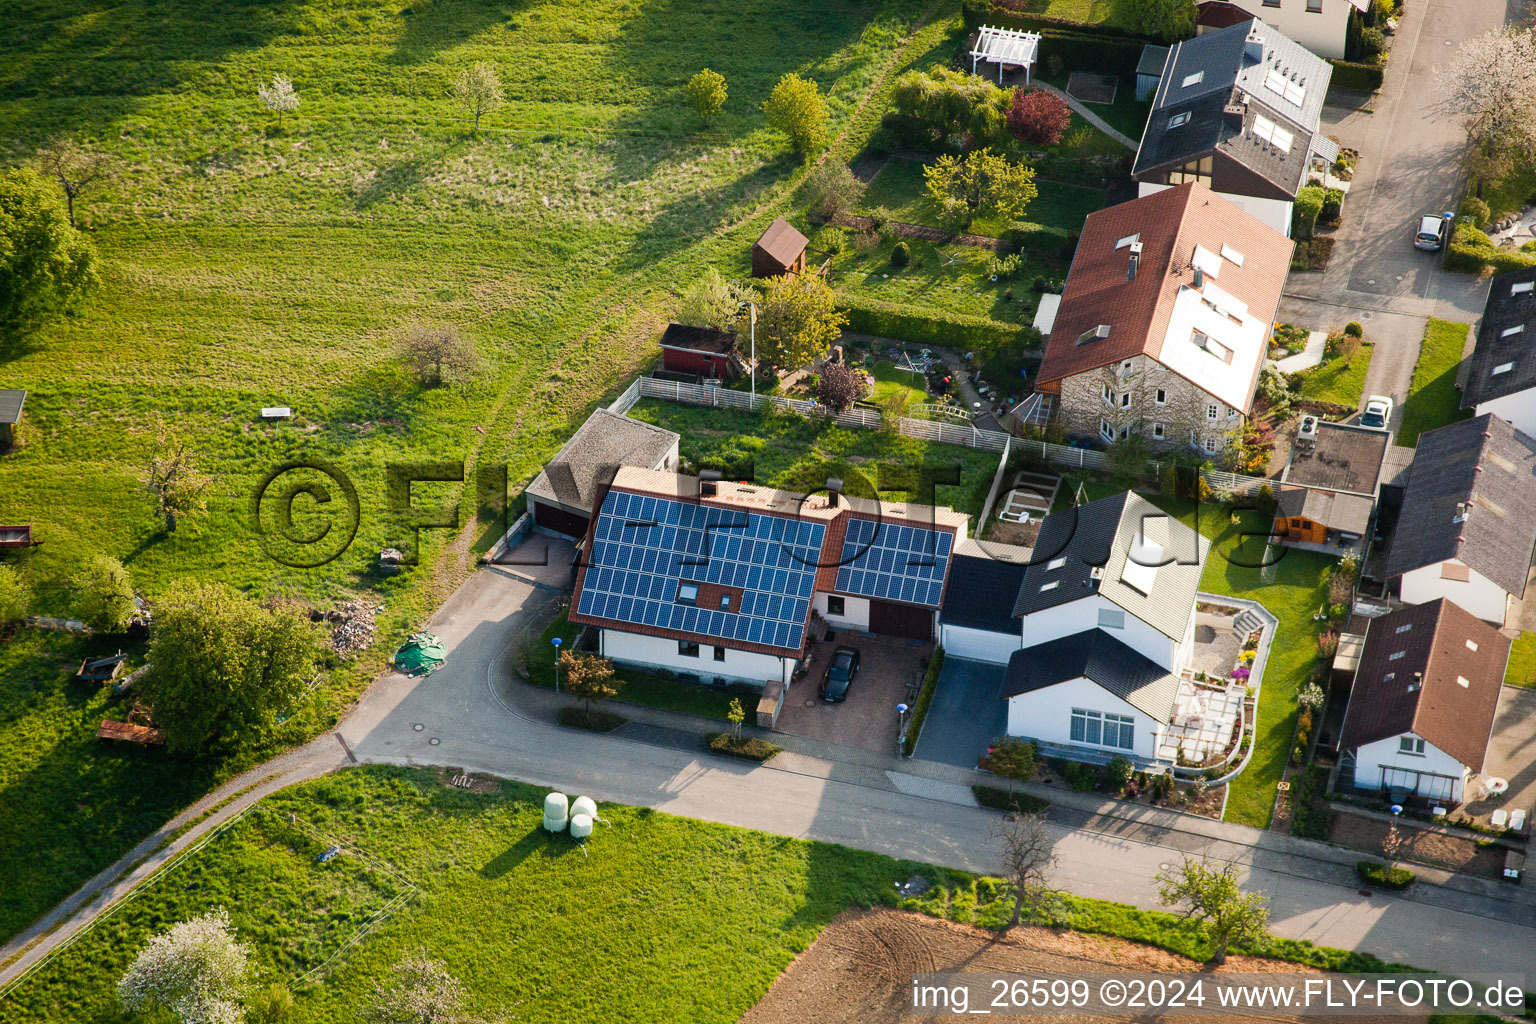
{"x": 1505, "y": 310}
{"x": 606, "y": 439}
{"x": 1100, "y": 535}
{"x": 981, "y": 592}
{"x": 10, "y": 405}
{"x": 1153, "y": 59}
{"x": 1094, "y": 654}
{"x": 1221, "y": 74}
{"x": 1410, "y": 675}
{"x": 1481, "y": 468}
{"x": 1341, "y": 458}
{"x": 1350, "y": 513}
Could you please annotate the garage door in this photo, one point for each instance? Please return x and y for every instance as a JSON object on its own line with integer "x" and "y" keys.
{"x": 979, "y": 644}
{"x": 906, "y": 620}
{"x": 559, "y": 520}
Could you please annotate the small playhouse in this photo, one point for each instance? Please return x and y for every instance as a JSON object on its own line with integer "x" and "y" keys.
{"x": 780, "y": 250}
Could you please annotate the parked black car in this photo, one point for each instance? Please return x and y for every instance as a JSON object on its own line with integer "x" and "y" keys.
{"x": 840, "y": 672}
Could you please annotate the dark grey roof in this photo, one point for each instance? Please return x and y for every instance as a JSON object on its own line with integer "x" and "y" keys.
{"x": 1471, "y": 496}
{"x": 1506, "y": 310}
{"x": 981, "y": 592}
{"x": 10, "y": 406}
{"x": 1228, "y": 77}
{"x": 1350, "y": 513}
{"x": 1153, "y": 59}
{"x": 698, "y": 339}
{"x": 605, "y": 440}
{"x": 1087, "y": 550}
{"x": 1094, "y": 654}
{"x": 1340, "y": 458}
{"x": 1395, "y": 466}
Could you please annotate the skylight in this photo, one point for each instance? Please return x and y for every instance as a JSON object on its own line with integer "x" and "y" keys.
{"x": 1471, "y": 645}
{"x": 1194, "y": 79}
{"x": 1272, "y": 133}
{"x": 1405, "y": 628}
{"x": 1277, "y": 83}
{"x": 1397, "y": 655}
{"x": 1503, "y": 368}
{"x": 1141, "y": 564}
{"x": 1506, "y": 332}
{"x": 1050, "y": 586}
{"x": 1523, "y": 286}
{"x": 1178, "y": 119}
{"x": 1055, "y": 563}
{"x": 1463, "y": 682}
{"x": 1231, "y": 255}
{"x": 1128, "y": 240}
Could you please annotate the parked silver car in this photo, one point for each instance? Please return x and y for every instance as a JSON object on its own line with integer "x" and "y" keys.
{"x": 1434, "y": 232}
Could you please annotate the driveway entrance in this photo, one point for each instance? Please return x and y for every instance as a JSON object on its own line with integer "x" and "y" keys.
{"x": 889, "y": 670}
{"x": 967, "y": 713}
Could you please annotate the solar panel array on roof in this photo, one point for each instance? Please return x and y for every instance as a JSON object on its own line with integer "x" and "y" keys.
{"x": 894, "y": 562}
{"x": 643, "y": 546}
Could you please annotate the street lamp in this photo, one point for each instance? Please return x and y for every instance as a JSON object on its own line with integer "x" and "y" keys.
{"x": 901, "y": 738}
{"x": 752, "y": 322}
{"x": 556, "y": 641}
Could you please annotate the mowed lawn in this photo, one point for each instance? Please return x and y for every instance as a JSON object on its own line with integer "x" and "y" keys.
{"x": 1433, "y": 400}
{"x": 244, "y": 267}
{"x": 1060, "y": 208}
{"x": 1339, "y": 380}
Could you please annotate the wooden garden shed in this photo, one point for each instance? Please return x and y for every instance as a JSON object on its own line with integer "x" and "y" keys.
{"x": 780, "y": 250}
{"x": 11, "y": 402}
{"x": 700, "y": 350}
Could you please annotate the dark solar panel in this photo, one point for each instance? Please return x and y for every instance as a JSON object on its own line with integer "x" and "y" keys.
{"x": 643, "y": 547}
{"x": 894, "y": 562}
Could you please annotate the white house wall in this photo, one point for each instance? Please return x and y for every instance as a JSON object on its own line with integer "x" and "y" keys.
{"x": 1076, "y": 616}
{"x": 660, "y": 652}
{"x": 1046, "y": 715}
{"x": 1274, "y": 212}
{"x": 1371, "y": 758}
{"x": 1519, "y": 408}
{"x": 1478, "y": 594}
{"x": 979, "y": 644}
{"x": 1322, "y": 32}
{"x": 855, "y": 612}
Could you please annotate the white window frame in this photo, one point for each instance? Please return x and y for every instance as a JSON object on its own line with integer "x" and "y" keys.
{"x": 1211, "y": 413}
{"x": 1085, "y": 724}
{"x": 1161, "y": 398}
{"x": 1410, "y": 745}
{"x": 1106, "y": 430}
{"x": 1157, "y": 431}
{"x": 1210, "y": 446}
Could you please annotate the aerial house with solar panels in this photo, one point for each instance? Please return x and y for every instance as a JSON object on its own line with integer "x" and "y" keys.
{"x": 718, "y": 580}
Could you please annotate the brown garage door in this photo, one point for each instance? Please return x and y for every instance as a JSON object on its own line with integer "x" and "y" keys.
{"x": 906, "y": 620}
{"x": 559, "y": 520}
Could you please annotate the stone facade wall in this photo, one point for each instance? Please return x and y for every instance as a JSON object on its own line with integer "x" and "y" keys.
{"x": 1146, "y": 399}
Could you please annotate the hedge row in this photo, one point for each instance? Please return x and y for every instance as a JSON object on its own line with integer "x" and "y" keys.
{"x": 1048, "y": 241}
{"x": 1471, "y": 251}
{"x": 1349, "y": 75}
{"x": 1382, "y": 876}
{"x": 957, "y": 331}
{"x": 1091, "y": 50}
{"x": 924, "y": 698}
{"x": 989, "y": 12}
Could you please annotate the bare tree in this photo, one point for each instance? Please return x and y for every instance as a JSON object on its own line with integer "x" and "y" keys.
{"x": 178, "y": 487}
{"x": 438, "y": 353}
{"x": 75, "y": 167}
{"x": 478, "y": 90}
{"x": 1491, "y": 82}
{"x": 1028, "y": 857}
{"x": 279, "y": 97}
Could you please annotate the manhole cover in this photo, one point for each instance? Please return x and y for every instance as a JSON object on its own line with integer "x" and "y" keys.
{"x": 434, "y": 741}
{"x": 1162, "y": 867}
{"x": 810, "y": 703}
{"x": 828, "y": 707}
{"x": 418, "y": 727}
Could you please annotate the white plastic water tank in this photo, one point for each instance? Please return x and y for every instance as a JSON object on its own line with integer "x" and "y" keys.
{"x": 555, "y": 807}
{"x": 584, "y": 805}
{"x": 581, "y": 826}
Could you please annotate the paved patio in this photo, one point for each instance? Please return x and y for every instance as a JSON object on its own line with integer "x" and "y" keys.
{"x": 1511, "y": 755}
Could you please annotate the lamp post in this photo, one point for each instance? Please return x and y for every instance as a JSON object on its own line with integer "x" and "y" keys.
{"x": 752, "y": 321}
{"x": 901, "y": 738}
{"x": 556, "y": 641}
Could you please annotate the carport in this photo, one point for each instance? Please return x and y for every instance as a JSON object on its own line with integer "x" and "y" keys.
{"x": 967, "y": 713}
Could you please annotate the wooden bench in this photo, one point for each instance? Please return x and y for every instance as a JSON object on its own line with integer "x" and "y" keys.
{"x": 102, "y": 670}
{"x": 114, "y": 730}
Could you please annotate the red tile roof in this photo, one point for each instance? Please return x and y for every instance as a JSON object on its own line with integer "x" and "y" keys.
{"x": 1169, "y": 223}
{"x": 1220, "y": 14}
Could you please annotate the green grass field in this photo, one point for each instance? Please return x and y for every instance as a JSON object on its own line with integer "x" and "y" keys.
{"x": 1433, "y": 400}
{"x": 245, "y": 266}
{"x": 946, "y": 278}
{"x": 663, "y": 919}
{"x": 790, "y": 451}
{"x": 1521, "y": 670}
{"x": 1059, "y": 207}
{"x": 1339, "y": 380}
{"x": 892, "y": 383}
{"x": 1126, "y": 114}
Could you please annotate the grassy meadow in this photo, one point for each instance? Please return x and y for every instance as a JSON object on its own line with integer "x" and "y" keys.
{"x": 245, "y": 266}
{"x": 1433, "y": 399}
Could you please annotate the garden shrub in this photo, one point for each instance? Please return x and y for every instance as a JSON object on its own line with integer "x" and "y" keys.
{"x": 1362, "y": 77}
{"x": 1309, "y": 204}
{"x": 1471, "y": 251}
{"x": 1002, "y": 800}
{"x": 901, "y": 255}
{"x": 1333, "y": 202}
{"x": 1354, "y": 329}
{"x": 1382, "y": 876}
{"x": 748, "y": 748}
{"x": 1476, "y": 209}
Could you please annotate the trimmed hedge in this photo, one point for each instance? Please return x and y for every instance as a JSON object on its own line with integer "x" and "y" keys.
{"x": 597, "y": 721}
{"x": 1055, "y": 242}
{"x": 749, "y": 749}
{"x": 1471, "y": 252}
{"x": 1382, "y": 876}
{"x": 1305, "y": 211}
{"x": 1002, "y": 800}
{"x": 1079, "y": 44}
{"x": 986, "y": 12}
{"x": 924, "y": 698}
{"x": 1350, "y": 75}
{"x": 957, "y": 331}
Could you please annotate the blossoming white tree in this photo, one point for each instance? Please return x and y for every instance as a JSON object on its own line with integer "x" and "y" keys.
{"x": 196, "y": 970}
{"x": 279, "y": 97}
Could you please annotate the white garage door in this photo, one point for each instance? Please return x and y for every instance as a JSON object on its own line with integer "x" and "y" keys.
{"x": 980, "y": 644}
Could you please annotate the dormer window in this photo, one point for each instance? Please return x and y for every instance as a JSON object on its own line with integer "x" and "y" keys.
{"x": 1097, "y": 334}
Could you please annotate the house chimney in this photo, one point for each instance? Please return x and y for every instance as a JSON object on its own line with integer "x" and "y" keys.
{"x": 1253, "y": 46}
{"x": 1199, "y": 279}
{"x": 834, "y": 491}
{"x": 1232, "y": 115}
{"x": 709, "y": 480}
{"x": 1130, "y": 268}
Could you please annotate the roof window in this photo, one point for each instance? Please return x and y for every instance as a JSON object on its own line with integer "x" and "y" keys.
{"x": 1503, "y": 368}
{"x": 1097, "y": 334}
{"x": 1055, "y": 563}
{"x": 1231, "y": 255}
{"x": 1194, "y": 79}
{"x": 1050, "y": 586}
{"x": 1179, "y": 120}
{"x": 1128, "y": 240}
{"x": 1521, "y": 286}
{"x": 1506, "y": 332}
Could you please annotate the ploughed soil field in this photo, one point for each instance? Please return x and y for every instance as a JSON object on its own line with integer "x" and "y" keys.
{"x": 860, "y": 969}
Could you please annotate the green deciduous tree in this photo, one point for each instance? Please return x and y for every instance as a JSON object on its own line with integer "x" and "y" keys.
{"x": 1013, "y": 759}
{"x": 178, "y": 487}
{"x": 224, "y": 664}
{"x": 709, "y": 300}
{"x": 45, "y": 264}
{"x": 196, "y": 972}
{"x": 589, "y": 678}
{"x": 706, "y": 91}
{"x": 834, "y": 189}
{"x": 797, "y": 321}
{"x": 103, "y": 594}
{"x": 797, "y": 108}
{"x": 1211, "y": 896}
{"x": 953, "y": 106}
{"x": 478, "y": 90}
{"x": 979, "y": 182}
{"x": 1168, "y": 20}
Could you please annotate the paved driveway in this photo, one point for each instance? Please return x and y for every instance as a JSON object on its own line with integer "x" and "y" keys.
{"x": 966, "y": 714}
{"x": 888, "y": 668}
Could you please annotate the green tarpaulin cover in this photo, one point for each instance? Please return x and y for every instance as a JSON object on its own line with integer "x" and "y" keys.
{"x": 419, "y": 655}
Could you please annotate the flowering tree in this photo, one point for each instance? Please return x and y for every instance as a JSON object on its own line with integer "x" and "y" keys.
{"x": 709, "y": 300}
{"x": 423, "y": 992}
{"x": 478, "y": 90}
{"x": 279, "y": 97}
{"x": 196, "y": 970}
{"x": 1038, "y": 117}
{"x": 1491, "y": 82}
{"x": 840, "y": 386}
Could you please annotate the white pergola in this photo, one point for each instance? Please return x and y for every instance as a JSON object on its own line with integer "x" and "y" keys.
{"x": 1006, "y": 47}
